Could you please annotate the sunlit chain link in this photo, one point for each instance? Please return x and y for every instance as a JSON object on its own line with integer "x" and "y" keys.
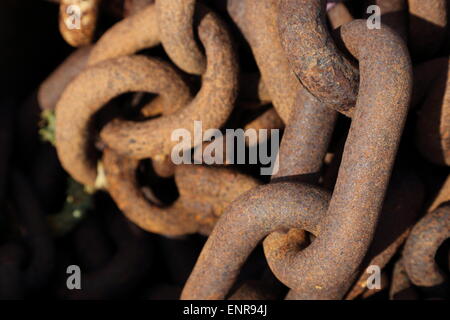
{"x": 344, "y": 227}
{"x": 421, "y": 248}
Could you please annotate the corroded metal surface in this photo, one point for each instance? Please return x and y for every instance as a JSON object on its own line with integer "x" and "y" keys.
{"x": 433, "y": 127}
{"x": 314, "y": 56}
{"x": 108, "y": 79}
{"x": 78, "y": 21}
{"x": 420, "y": 248}
{"x": 176, "y": 22}
{"x": 349, "y": 225}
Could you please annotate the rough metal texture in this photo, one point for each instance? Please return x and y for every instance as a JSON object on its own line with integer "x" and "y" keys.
{"x": 176, "y": 23}
{"x": 96, "y": 86}
{"x": 433, "y": 127}
{"x": 38, "y": 239}
{"x": 428, "y": 23}
{"x": 421, "y": 247}
{"x": 442, "y": 196}
{"x": 126, "y": 37}
{"x": 204, "y": 192}
{"x": 313, "y": 55}
{"x": 88, "y": 13}
{"x": 339, "y": 15}
{"x": 349, "y": 225}
{"x": 306, "y": 139}
{"x": 257, "y": 21}
{"x": 246, "y": 222}
{"x": 123, "y": 269}
{"x": 212, "y": 104}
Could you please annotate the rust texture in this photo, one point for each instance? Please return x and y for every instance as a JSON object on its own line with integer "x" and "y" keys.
{"x": 401, "y": 209}
{"x": 176, "y": 22}
{"x": 420, "y": 248}
{"x": 353, "y": 212}
{"x": 314, "y": 56}
{"x": 78, "y": 21}
{"x": 257, "y": 21}
{"x": 401, "y": 286}
{"x": 212, "y": 105}
{"x": 394, "y": 14}
{"x": 108, "y": 79}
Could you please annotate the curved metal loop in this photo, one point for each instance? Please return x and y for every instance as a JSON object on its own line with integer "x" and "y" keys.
{"x": 349, "y": 225}
{"x": 96, "y": 86}
{"x": 78, "y": 21}
{"x": 433, "y": 125}
{"x": 212, "y": 104}
{"x": 176, "y": 23}
{"x": 257, "y": 21}
{"x": 319, "y": 65}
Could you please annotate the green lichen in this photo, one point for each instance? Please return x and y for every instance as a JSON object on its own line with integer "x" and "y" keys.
{"x": 47, "y": 126}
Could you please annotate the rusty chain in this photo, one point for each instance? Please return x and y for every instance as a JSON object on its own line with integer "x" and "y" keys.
{"x": 359, "y": 178}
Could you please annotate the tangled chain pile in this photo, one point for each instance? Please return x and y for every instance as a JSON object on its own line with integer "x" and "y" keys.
{"x": 363, "y": 162}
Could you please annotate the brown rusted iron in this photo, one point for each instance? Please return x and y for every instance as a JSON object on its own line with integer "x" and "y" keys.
{"x": 401, "y": 287}
{"x": 442, "y": 196}
{"x": 428, "y": 24}
{"x": 433, "y": 126}
{"x": 314, "y": 56}
{"x": 253, "y": 216}
{"x": 51, "y": 89}
{"x": 132, "y": 7}
{"x": 20, "y": 274}
{"x": 257, "y": 21}
{"x": 153, "y": 137}
{"x": 394, "y": 14}
{"x": 78, "y": 20}
{"x": 108, "y": 79}
{"x": 12, "y": 256}
{"x": 404, "y": 199}
{"x": 421, "y": 247}
{"x": 196, "y": 210}
{"x": 176, "y": 23}
{"x": 349, "y": 225}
